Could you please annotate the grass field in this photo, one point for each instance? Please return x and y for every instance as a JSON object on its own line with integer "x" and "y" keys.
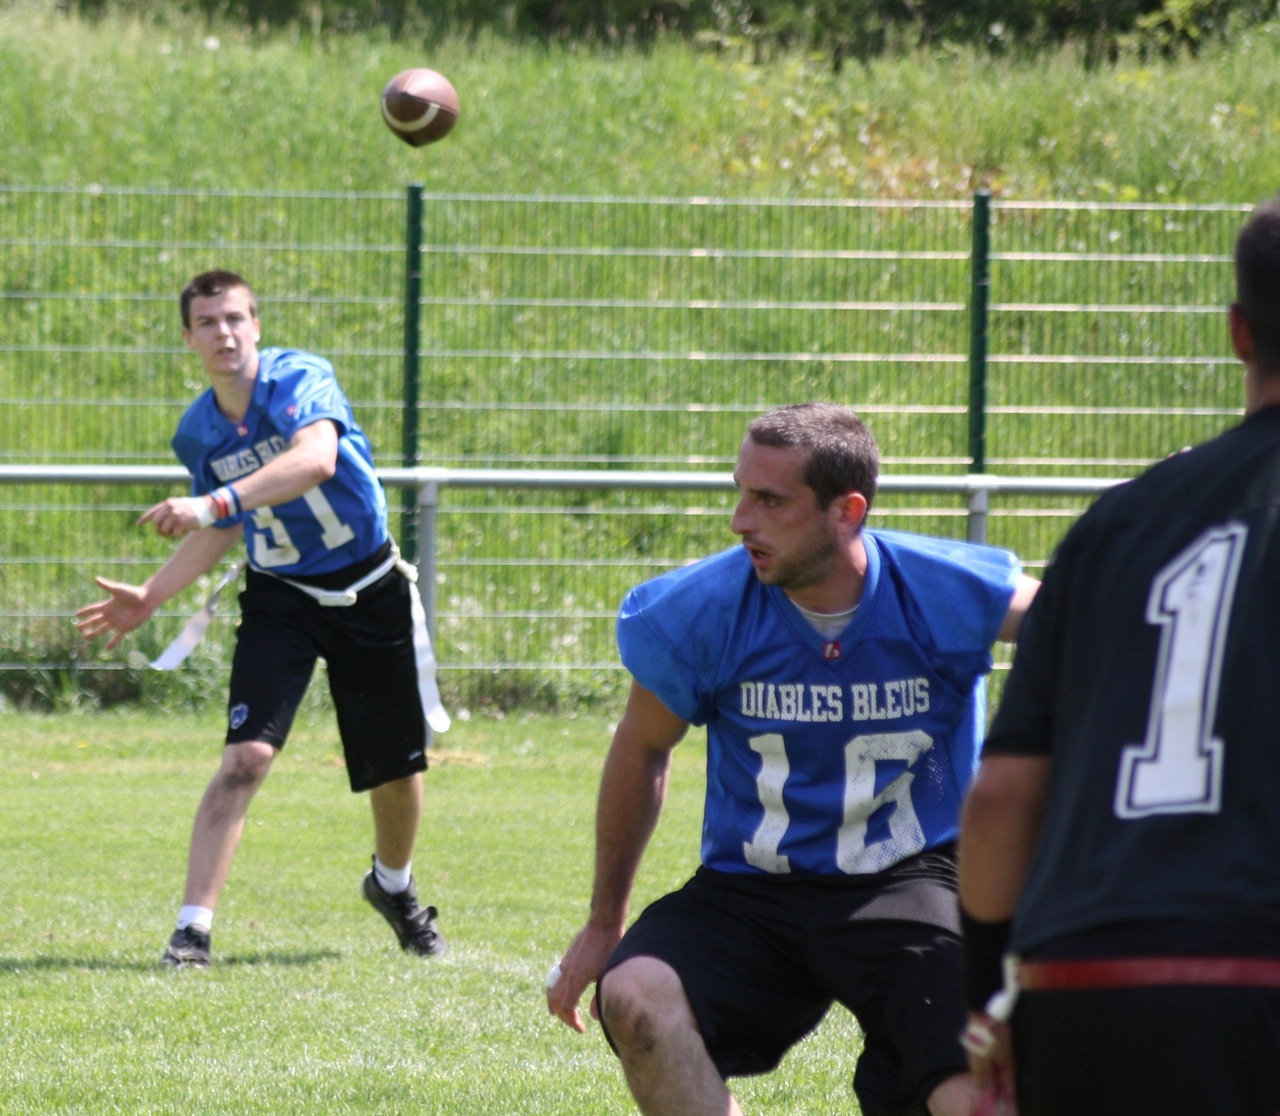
{"x": 310, "y": 1006}
{"x": 188, "y": 102}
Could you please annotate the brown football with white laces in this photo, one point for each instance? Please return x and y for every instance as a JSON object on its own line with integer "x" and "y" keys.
{"x": 420, "y": 106}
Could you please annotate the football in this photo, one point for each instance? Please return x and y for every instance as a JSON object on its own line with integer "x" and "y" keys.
{"x": 420, "y": 106}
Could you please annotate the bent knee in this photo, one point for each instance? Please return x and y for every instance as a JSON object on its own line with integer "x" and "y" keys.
{"x": 247, "y": 763}
{"x": 640, "y": 998}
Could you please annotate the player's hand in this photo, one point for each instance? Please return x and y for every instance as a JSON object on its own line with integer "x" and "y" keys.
{"x": 579, "y": 967}
{"x": 125, "y": 609}
{"x": 179, "y": 515}
{"x": 990, "y": 1048}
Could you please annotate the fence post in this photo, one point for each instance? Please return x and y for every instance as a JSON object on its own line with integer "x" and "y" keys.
{"x": 978, "y": 506}
{"x": 427, "y": 499}
{"x": 980, "y": 293}
{"x": 409, "y": 522}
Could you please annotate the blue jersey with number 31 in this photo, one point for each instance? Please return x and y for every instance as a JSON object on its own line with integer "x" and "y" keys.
{"x": 827, "y": 756}
{"x": 335, "y": 524}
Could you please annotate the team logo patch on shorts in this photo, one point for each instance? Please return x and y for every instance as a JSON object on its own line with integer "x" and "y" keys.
{"x": 238, "y": 715}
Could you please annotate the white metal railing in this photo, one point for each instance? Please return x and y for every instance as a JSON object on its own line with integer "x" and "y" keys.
{"x": 976, "y": 488}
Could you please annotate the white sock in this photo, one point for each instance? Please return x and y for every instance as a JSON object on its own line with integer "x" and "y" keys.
{"x": 392, "y": 880}
{"x": 199, "y": 917}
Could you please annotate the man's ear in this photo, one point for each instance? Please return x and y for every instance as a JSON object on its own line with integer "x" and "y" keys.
{"x": 1241, "y": 334}
{"x": 852, "y": 512}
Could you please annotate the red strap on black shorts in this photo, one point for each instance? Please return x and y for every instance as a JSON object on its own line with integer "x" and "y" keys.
{"x": 1135, "y": 972}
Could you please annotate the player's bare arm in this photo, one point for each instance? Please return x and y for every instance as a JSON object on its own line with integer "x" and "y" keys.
{"x": 130, "y": 606}
{"x": 1000, "y": 830}
{"x": 310, "y": 460}
{"x": 633, "y": 788}
{"x": 1023, "y": 594}
{"x": 1002, "y": 815}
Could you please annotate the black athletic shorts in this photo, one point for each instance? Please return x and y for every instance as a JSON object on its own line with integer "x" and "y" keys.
{"x": 762, "y": 958}
{"x": 1152, "y": 1051}
{"x": 371, "y": 657}
{"x": 1202, "y": 1051}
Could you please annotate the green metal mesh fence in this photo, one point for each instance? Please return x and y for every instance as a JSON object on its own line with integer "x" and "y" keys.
{"x": 592, "y": 333}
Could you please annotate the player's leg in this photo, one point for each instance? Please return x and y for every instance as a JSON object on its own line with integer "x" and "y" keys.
{"x": 374, "y": 680}
{"x": 219, "y": 821}
{"x": 270, "y": 671}
{"x": 956, "y": 1096}
{"x": 904, "y": 982}
{"x": 389, "y": 886}
{"x": 1148, "y": 1051}
{"x": 657, "y": 1040}
{"x": 891, "y": 953}
{"x": 215, "y": 836}
{"x": 703, "y": 987}
{"x": 397, "y": 813}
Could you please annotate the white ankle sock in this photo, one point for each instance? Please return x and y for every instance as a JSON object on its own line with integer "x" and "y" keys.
{"x": 392, "y": 880}
{"x": 199, "y": 917}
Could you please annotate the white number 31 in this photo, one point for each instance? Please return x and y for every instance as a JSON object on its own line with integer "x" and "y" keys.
{"x": 1178, "y": 768}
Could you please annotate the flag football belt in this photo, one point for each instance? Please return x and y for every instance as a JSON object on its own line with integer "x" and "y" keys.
{"x": 345, "y": 598}
{"x": 194, "y": 630}
{"x": 1139, "y": 972}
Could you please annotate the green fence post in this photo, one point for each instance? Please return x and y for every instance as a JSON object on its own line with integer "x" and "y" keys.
{"x": 412, "y": 346}
{"x": 978, "y": 324}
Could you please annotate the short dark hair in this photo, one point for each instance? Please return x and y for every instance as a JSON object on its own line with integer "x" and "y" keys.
{"x": 210, "y": 283}
{"x": 1258, "y": 281}
{"x": 843, "y": 455}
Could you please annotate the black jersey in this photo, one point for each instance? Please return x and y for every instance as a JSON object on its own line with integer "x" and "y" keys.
{"x": 1149, "y": 669}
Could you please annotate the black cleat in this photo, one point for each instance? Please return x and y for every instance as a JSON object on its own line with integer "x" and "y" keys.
{"x": 188, "y": 949}
{"x": 414, "y": 925}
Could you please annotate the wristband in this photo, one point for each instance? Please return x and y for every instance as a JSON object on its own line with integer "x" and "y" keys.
{"x": 985, "y": 944}
{"x": 205, "y": 511}
{"x": 225, "y": 502}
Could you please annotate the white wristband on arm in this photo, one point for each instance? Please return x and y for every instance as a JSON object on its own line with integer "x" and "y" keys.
{"x": 203, "y": 507}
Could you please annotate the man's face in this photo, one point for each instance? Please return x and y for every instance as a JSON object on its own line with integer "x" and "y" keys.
{"x": 792, "y": 542}
{"x": 224, "y": 333}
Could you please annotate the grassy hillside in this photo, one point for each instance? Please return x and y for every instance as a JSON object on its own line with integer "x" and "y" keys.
{"x": 123, "y": 103}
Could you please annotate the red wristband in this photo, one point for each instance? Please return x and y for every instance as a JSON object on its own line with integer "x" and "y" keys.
{"x": 225, "y": 502}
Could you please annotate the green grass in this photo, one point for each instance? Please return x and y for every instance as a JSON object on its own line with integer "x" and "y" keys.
{"x": 183, "y": 103}
{"x": 311, "y": 1007}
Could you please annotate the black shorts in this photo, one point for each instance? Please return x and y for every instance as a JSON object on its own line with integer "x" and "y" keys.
{"x": 1148, "y": 1052}
{"x": 370, "y": 652}
{"x": 762, "y": 958}
{"x": 1212, "y": 1051}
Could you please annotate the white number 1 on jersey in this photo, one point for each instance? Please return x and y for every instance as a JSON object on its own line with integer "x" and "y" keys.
{"x": 1178, "y": 768}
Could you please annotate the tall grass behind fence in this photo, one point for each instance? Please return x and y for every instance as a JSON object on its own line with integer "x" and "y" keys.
{"x": 92, "y": 362}
{"x": 598, "y": 333}
{"x": 643, "y": 332}
{"x": 1108, "y": 336}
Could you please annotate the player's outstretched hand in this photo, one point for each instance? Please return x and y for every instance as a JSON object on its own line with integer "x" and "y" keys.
{"x": 125, "y": 609}
{"x": 579, "y": 967}
{"x": 178, "y": 515}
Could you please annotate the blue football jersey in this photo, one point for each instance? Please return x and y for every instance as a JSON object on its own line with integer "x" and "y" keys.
{"x": 335, "y": 524}
{"x": 827, "y": 756}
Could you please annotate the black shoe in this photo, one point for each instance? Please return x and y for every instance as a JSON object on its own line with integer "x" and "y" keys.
{"x": 188, "y": 949}
{"x": 415, "y": 926}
